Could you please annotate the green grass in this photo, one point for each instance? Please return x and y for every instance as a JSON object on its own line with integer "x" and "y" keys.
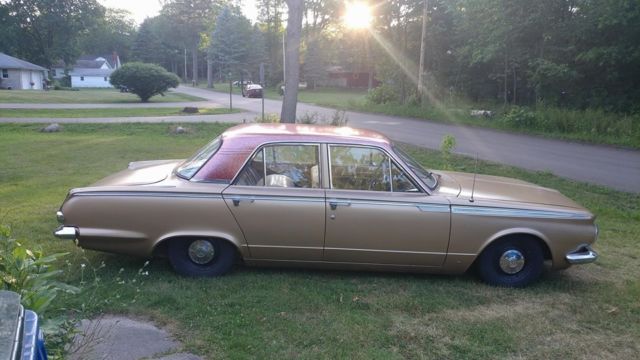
{"x": 590, "y": 310}
{"x": 86, "y": 96}
{"x": 114, "y": 112}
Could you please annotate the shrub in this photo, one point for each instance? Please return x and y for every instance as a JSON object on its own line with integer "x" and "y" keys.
{"x": 383, "y": 94}
{"x": 144, "y": 80}
{"x": 339, "y": 118}
{"x": 446, "y": 147}
{"x": 30, "y": 273}
{"x": 519, "y": 117}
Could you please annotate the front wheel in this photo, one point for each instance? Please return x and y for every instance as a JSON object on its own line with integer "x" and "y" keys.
{"x": 515, "y": 262}
{"x": 201, "y": 256}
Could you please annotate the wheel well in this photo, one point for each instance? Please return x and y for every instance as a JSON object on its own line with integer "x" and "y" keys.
{"x": 546, "y": 252}
{"x": 161, "y": 248}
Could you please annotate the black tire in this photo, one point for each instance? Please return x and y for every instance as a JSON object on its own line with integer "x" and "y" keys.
{"x": 492, "y": 273}
{"x": 219, "y": 264}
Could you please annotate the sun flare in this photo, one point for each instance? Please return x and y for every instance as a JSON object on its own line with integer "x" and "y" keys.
{"x": 357, "y": 15}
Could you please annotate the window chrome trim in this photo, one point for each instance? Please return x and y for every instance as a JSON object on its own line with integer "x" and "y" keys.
{"x": 519, "y": 213}
{"x": 422, "y": 187}
{"x": 263, "y": 145}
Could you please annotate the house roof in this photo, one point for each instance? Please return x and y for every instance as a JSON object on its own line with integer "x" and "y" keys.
{"x": 88, "y": 64}
{"x": 9, "y": 62}
{"x": 108, "y": 58}
{"x": 91, "y": 72}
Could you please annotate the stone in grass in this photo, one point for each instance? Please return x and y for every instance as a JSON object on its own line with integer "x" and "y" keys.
{"x": 51, "y": 128}
{"x": 176, "y": 130}
{"x": 190, "y": 110}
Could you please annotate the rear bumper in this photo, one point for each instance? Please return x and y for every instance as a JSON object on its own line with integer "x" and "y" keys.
{"x": 583, "y": 254}
{"x": 66, "y": 232}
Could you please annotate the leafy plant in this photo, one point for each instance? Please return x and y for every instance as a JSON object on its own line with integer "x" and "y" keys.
{"x": 269, "y": 118}
{"x": 339, "y": 118}
{"x": 383, "y": 94}
{"x": 30, "y": 273}
{"x": 309, "y": 118}
{"x": 144, "y": 80}
{"x": 446, "y": 147}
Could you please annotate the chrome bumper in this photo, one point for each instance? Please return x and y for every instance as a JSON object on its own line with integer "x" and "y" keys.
{"x": 66, "y": 232}
{"x": 584, "y": 254}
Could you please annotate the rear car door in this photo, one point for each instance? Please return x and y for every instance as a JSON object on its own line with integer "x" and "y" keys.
{"x": 278, "y": 202}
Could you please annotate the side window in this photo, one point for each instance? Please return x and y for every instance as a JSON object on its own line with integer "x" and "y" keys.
{"x": 359, "y": 168}
{"x": 283, "y": 166}
{"x": 401, "y": 182}
{"x": 5, "y": 73}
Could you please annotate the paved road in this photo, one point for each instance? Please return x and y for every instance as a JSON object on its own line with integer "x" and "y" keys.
{"x": 602, "y": 165}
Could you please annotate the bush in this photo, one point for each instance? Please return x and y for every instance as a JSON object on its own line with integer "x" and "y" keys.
{"x": 30, "y": 273}
{"x": 519, "y": 117}
{"x": 383, "y": 94}
{"x": 144, "y": 80}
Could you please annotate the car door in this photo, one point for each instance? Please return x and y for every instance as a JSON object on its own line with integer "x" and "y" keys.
{"x": 377, "y": 214}
{"x": 278, "y": 202}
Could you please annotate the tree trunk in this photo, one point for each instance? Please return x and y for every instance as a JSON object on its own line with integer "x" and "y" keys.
{"x": 194, "y": 65}
{"x": 506, "y": 73}
{"x": 515, "y": 86}
{"x": 423, "y": 46}
{"x": 209, "y": 74}
{"x": 185, "y": 65}
{"x": 292, "y": 59}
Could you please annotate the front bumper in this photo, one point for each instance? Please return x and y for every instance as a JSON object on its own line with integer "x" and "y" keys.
{"x": 583, "y": 254}
{"x": 66, "y": 232}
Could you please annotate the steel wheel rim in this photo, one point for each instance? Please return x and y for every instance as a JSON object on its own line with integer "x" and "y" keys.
{"x": 512, "y": 261}
{"x": 201, "y": 252}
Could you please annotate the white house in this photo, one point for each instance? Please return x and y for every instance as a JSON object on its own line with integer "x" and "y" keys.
{"x": 92, "y": 78}
{"x": 89, "y": 70}
{"x": 20, "y": 74}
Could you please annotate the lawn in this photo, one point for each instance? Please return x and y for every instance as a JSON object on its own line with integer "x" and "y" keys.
{"x": 86, "y": 96}
{"x": 588, "y": 311}
{"x": 114, "y": 112}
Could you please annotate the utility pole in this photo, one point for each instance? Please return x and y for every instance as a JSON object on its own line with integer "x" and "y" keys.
{"x": 185, "y": 65}
{"x": 422, "y": 86}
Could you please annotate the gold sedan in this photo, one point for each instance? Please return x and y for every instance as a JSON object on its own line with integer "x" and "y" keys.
{"x": 326, "y": 197}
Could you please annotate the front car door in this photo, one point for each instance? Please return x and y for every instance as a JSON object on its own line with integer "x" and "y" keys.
{"x": 278, "y": 202}
{"x": 377, "y": 214}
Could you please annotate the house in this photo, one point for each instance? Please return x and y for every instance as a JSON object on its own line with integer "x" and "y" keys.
{"x": 89, "y": 70}
{"x": 339, "y": 77}
{"x": 20, "y": 74}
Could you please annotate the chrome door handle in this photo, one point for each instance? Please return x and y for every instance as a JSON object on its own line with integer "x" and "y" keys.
{"x": 236, "y": 200}
{"x": 335, "y": 203}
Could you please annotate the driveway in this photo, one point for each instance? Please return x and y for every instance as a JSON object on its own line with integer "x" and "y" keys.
{"x": 602, "y": 165}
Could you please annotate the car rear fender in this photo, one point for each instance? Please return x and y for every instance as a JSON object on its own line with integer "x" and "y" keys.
{"x": 159, "y": 246}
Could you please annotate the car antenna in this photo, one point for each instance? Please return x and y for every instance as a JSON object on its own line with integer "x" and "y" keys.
{"x": 475, "y": 172}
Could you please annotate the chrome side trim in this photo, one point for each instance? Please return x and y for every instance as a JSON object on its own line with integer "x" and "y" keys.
{"x": 66, "y": 232}
{"x": 503, "y": 212}
{"x": 444, "y": 208}
{"x": 388, "y": 251}
{"x": 583, "y": 254}
{"x": 253, "y": 198}
{"x": 150, "y": 194}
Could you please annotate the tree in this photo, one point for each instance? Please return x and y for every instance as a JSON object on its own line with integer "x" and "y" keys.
{"x": 292, "y": 61}
{"x": 50, "y": 30}
{"x": 314, "y": 69}
{"x": 147, "y": 46}
{"x": 190, "y": 18}
{"x": 112, "y": 33}
{"x": 230, "y": 41}
{"x": 144, "y": 80}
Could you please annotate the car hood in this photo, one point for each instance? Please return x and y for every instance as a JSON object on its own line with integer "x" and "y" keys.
{"x": 141, "y": 173}
{"x": 499, "y": 188}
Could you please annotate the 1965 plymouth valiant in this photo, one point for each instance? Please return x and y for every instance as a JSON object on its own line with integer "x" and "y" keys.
{"x": 331, "y": 197}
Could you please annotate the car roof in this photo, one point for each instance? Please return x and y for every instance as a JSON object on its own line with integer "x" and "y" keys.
{"x": 305, "y": 132}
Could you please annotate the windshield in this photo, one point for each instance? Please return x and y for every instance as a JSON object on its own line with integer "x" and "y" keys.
{"x": 191, "y": 166}
{"x": 425, "y": 175}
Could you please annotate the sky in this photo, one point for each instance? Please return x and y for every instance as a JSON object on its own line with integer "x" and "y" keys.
{"x": 142, "y": 9}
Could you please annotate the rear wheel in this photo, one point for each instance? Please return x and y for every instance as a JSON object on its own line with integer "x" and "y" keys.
{"x": 513, "y": 262}
{"x": 201, "y": 256}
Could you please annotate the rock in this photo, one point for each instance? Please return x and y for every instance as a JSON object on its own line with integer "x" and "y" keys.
{"x": 51, "y": 128}
{"x": 190, "y": 110}
{"x": 482, "y": 113}
{"x": 180, "y": 130}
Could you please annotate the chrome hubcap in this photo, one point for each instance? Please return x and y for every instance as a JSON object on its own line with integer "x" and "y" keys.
{"x": 512, "y": 261}
{"x": 201, "y": 252}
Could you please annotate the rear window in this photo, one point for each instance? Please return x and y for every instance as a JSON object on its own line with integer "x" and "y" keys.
{"x": 191, "y": 166}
